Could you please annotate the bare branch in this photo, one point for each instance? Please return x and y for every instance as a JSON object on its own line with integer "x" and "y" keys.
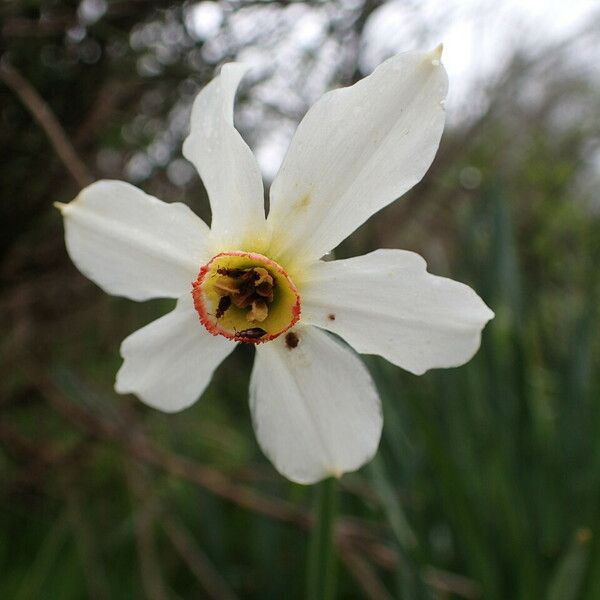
{"x": 47, "y": 120}
{"x": 93, "y": 568}
{"x": 199, "y": 564}
{"x": 146, "y": 510}
{"x": 349, "y": 532}
{"x": 112, "y": 94}
{"x": 21, "y": 27}
{"x": 363, "y": 573}
{"x": 450, "y": 583}
{"x": 140, "y": 447}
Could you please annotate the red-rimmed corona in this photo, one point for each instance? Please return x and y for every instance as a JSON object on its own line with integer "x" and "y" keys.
{"x": 262, "y": 300}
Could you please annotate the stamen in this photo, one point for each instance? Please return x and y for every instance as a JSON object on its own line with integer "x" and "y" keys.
{"x": 251, "y": 288}
{"x": 258, "y": 312}
{"x": 263, "y": 276}
{"x": 237, "y": 291}
{"x": 226, "y": 285}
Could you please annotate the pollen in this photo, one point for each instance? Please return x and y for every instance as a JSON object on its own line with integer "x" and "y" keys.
{"x": 250, "y": 288}
{"x": 246, "y": 297}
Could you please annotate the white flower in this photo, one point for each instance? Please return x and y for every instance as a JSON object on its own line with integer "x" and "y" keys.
{"x": 260, "y": 280}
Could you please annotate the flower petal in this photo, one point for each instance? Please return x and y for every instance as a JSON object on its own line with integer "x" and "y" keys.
{"x": 315, "y": 409}
{"x": 132, "y": 244}
{"x": 387, "y": 303}
{"x": 169, "y": 362}
{"x": 356, "y": 150}
{"x": 227, "y": 166}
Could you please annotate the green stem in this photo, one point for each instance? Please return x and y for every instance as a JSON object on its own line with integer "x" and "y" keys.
{"x": 321, "y": 552}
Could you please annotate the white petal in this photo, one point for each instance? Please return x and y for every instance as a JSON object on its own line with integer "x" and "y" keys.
{"x": 169, "y": 363}
{"x": 386, "y": 303}
{"x": 356, "y": 150}
{"x": 315, "y": 409}
{"x": 132, "y": 244}
{"x": 227, "y": 166}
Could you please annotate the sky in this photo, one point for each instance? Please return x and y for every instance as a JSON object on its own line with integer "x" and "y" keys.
{"x": 479, "y": 37}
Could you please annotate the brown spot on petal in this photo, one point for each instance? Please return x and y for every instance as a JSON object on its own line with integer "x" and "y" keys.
{"x": 291, "y": 340}
{"x": 331, "y": 317}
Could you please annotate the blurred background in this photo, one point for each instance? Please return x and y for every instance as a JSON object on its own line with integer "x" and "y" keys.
{"x": 487, "y": 482}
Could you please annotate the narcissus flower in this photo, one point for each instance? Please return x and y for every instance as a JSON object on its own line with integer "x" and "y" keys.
{"x": 262, "y": 281}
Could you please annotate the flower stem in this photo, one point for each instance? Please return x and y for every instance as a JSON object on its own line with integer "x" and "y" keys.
{"x": 321, "y": 552}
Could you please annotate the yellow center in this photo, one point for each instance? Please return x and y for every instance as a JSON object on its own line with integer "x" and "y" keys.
{"x": 246, "y": 297}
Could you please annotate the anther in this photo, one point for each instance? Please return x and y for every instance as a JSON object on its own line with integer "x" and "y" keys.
{"x": 237, "y": 291}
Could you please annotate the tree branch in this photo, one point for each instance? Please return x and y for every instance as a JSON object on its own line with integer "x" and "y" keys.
{"x": 350, "y": 534}
{"x": 47, "y": 120}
